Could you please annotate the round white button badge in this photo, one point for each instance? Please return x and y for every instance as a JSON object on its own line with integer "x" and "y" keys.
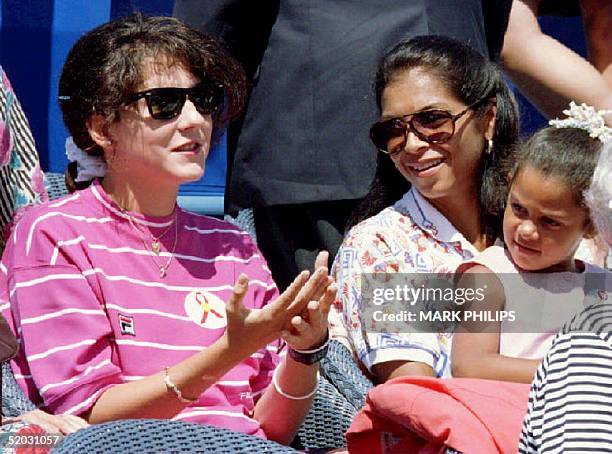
{"x": 206, "y": 309}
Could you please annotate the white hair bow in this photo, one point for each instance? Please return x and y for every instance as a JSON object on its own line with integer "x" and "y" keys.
{"x": 88, "y": 166}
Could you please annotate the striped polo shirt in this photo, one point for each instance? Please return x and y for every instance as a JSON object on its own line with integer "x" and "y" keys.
{"x": 570, "y": 403}
{"x": 81, "y": 286}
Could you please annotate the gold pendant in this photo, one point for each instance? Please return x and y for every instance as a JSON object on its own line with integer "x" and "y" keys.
{"x": 156, "y": 247}
{"x": 162, "y": 272}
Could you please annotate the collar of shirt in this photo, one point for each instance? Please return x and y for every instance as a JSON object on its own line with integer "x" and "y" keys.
{"x": 428, "y": 218}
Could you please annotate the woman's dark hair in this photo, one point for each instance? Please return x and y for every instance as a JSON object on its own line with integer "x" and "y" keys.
{"x": 567, "y": 154}
{"x": 470, "y": 78}
{"x": 109, "y": 63}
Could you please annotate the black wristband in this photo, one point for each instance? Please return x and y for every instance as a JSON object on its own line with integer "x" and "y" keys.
{"x": 310, "y": 356}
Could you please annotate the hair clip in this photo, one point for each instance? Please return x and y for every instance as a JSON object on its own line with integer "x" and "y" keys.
{"x": 585, "y": 117}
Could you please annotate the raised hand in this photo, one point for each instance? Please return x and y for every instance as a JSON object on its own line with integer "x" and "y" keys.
{"x": 251, "y": 329}
{"x": 309, "y": 329}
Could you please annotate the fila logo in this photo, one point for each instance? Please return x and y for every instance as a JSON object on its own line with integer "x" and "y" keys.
{"x": 126, "y": 324}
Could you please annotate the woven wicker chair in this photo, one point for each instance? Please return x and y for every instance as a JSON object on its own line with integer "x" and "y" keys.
{"x": 324, "y": 426}
{"x": 55, "y": 184}
{"x": 14, "y": 401}
{"x": 161, "y": 436}
{"x": 328, "y": 419}
{"x": 342, "y": 371}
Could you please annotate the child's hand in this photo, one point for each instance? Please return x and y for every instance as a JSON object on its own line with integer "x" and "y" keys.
{"x": 251, "y": 329}
{"x": 309, "y": 329}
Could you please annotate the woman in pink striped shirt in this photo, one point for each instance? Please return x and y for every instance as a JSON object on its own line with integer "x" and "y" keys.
{"x": 126, "y": 305}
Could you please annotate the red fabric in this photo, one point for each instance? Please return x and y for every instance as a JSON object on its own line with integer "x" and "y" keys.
{"x": 427, "y": 415}
{"x": 32, "y": 430}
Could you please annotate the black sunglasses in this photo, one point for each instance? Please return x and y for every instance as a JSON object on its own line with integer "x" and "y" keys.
{"x": 432, "y": 126}
{"x": 167, "y": 103}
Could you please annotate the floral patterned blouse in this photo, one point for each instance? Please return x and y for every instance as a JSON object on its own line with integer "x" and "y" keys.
{"x": 21, "y": 179}
{"x": 411, "y": 236}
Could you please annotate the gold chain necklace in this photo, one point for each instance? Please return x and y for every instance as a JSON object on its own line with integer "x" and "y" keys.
{"x": 155, "y": 242}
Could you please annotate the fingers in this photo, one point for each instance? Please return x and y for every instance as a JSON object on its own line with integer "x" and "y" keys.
{"x": 313, "y": 313}
{"x": 240, "y": 289}
{"x": 319, "y": 294}
{"x": 309, "y": 328}
{"x": 306, "y": 287}
{"x": 64, "y": 424}
{"x": 312, "y": 290}
{"x": 40, "y": 421}
{"x": 68, "y": 424}
{"x": 299, "y": 327}
{"x": 74, "y": 423}
{"x": 293, "y": 291}
{"x": 316, "y": 311}
{"x": 37, "y": 417}
{"x": 328, "y": 299}
{"x": 322, "y": 260}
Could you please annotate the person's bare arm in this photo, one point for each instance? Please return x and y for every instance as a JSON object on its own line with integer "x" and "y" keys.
{"x": 280, "y": 417}
{"x": 597, "y": 17}
{"x": 546, "y": 71}
{"x": 394, "y": 369}
{"x": 246, "y": 332}
{"x": 475, "y": 351}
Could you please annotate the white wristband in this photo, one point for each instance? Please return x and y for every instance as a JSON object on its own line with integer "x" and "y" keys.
{"x": 289, "y": 396}
{"x": 314, "y": 350}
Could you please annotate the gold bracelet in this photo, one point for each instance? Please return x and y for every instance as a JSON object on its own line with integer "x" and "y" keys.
{"x": 171, "y": 386}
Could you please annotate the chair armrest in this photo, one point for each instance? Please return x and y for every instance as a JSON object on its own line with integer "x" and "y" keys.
{"x": 328, "y": 419}
{"x": 14, "y": 401}
{"x": 341, "y": 369}
{"x": 161, "y": 435}
{"x": 341, "y": 394}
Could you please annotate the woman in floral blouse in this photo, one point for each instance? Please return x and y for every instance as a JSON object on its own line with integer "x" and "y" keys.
{"x": 447, "y": 130}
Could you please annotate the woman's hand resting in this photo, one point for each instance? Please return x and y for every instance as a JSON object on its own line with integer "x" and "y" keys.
{"x": 64, "y": 424}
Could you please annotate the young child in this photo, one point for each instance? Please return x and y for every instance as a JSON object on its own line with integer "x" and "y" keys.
{"x": 572, "y": 410}
{"x": 535, "y": 279}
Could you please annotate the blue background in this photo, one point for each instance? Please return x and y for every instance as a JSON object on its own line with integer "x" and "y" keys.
{"x": 35, "y": 36}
